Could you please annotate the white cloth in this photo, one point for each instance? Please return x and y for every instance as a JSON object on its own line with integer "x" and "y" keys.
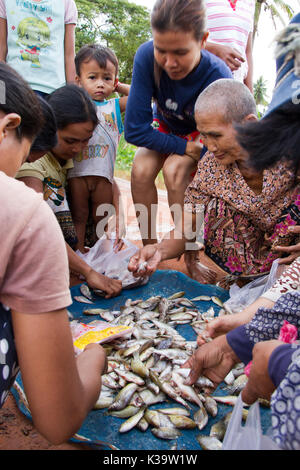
{"x": 231, "y": 27}
{"x": 98, "y": 159}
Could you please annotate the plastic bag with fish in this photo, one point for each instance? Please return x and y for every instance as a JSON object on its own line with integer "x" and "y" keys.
{"x": 103, "y": 259}
{"x": 95, "y": 332}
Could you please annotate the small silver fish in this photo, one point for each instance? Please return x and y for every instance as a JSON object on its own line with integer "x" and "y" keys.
{"x": 127, "y": 412}
{"x": 142, "y": 425}
{"x": 166, "y": 433}
{"x": 85, "y": 290}
{"x": 201, "y": 417}
{"x": 123, "y": 397}
{"x": 82, "y": 300}
{"x": 182, "y": 422}
{"x": 205, "y": 298}
{"x": 95, "y": 311}
{"x": 217, "y": 301}
{"x": 209, "y": 442}
{"x": 174, "y": 411}
{"x": 132, "y": 422}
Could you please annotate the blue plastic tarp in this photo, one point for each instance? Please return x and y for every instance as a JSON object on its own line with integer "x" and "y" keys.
{"x": 98, "y": 426}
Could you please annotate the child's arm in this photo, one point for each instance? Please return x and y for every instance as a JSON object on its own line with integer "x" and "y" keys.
{"x": 3, "y": 39}
{"x": 123, "y": 89}
{"x": 70, "y": 53}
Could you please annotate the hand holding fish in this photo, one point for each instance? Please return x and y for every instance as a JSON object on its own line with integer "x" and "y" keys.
{"x": 259, "y": 384}
{"x": 214, "y": 360}
{"x": 112, "y": 287}
{"x": 145, "y": 262}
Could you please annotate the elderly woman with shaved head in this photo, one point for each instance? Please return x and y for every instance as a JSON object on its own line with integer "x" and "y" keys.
{"x": 246, "y": 212}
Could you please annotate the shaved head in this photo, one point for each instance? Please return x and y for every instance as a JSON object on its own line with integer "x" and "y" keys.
{"x": 227, "y": 97}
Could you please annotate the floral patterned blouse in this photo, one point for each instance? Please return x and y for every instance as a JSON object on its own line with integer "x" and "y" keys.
{"x": 240, "y": 226}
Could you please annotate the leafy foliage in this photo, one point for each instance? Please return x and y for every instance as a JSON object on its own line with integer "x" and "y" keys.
{"x": 118, "y": 24}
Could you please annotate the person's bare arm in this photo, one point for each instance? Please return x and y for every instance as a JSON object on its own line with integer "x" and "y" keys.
{"x": 3, "y": 39}
{"x": 124, "y": 90}
{"x": 249, "y": 78}
{"x": 228, "y": 54}
{"x": 70, "y": 53}
{"x": 95, "y": 280}
{"x": 60, "y": 389}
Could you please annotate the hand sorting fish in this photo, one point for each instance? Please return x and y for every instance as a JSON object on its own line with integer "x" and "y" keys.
{"x": 148, "y": 368}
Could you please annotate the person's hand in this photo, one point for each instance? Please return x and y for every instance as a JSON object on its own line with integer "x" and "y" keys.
{"x": 259, "y": 384}
{"x": 112, "y": 287}
{"x": 219, "y": 326}
{"x": 294, "y": 250}
{"x": 145, "y": 262}
{"x": 194, "y": 149}
{"x": 228, "y": 54}
{"x": 99, "y": 352}
{"x": 214, "y": 360}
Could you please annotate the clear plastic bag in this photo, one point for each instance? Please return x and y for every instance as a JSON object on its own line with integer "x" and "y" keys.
{"x": 105, "y": 260}
{"x": 241, "y": 297}
{"x": 250, "y": 436}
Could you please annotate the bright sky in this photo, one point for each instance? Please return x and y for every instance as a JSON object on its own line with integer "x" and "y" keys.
{"x": 264, "y": 63}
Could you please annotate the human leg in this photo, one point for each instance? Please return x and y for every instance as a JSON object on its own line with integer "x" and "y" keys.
{"x": 146, "y": 166}
{"x": 79, "y": 205}
{"x": 101, "y": 193}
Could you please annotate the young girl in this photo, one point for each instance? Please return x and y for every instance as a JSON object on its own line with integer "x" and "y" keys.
{"x": 172, "y": 70}
{"x": 76, "y": 120}
{"x": 91, "y": 179}
{"x": 34, "y": 290}
{"x": 37, "y": 38}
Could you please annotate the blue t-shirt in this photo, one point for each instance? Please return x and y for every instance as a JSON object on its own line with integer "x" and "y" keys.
{"x": 174, "y": 101}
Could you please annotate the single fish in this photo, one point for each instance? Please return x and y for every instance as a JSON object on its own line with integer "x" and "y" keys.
{"x": 177, "y": 295}
{"x": 209, "y": 442}
{"x": 85, "y": 290}
{"x": 228, "y": 400}
{"x": 205, "y": 298}
{"x": 142, "y": 425}
{"x": 82, "y": 299}
{"x": 104, "y": 402}
{"x": 182, "y": 422}
{"x": 138, "y": 367}
{"x": 130, "y": 377}
{"x": 211, "y": 406}
{"x": 150, "y": 398}
{"x": 174, "y": 411}
{"x": 132, "y": 422}
{"x": 166, "y": 433}
{"x": 123, "y": 398}
{"x": 125, "y": 413}
{"x": 95, "y": 311}
{"x": 218, "y": 430}
{"x": 201, "y": 417}
{"x": 217, "y": 301}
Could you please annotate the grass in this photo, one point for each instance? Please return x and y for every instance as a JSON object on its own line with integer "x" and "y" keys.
{"x": 125, "y": 156}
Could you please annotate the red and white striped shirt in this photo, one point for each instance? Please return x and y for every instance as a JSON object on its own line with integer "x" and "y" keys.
{"x": 230, "y": 24}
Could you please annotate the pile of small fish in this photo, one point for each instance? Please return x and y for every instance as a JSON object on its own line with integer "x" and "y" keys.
{"x": 146, "y": 369}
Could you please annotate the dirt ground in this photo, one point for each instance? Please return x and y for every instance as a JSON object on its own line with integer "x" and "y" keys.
{"x": 19, "y": 433}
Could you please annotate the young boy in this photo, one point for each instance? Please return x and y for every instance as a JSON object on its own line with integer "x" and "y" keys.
{"x": 91, "y": 180}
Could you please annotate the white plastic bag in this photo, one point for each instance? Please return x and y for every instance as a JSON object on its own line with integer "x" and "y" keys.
{"x": 250, "y": 436}
{"x": 241, "y": 297}
{"x": 103, "y": 259}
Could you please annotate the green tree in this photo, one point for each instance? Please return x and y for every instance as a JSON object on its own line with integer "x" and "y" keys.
{"x": 278, "y": 10}
{"x": 118, "y": 24}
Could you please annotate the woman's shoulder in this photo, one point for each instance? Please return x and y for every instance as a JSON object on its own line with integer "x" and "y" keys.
{"x": 213, "y": 65}
{"x": 21, "y": 198}
{"x": 145, "y": 52}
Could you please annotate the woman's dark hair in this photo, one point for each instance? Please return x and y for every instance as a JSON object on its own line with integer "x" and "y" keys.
{"x": 72, "y": 104}
{"x": 273, "y": 138}
{"x": 98, "y": 53}
{"x": 180, "y": 15}
{"x": 16, "y": 96}
{"x": 47, "y": 137}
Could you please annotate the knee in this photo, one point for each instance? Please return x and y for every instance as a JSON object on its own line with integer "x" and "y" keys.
{"x": 175, "y": 173}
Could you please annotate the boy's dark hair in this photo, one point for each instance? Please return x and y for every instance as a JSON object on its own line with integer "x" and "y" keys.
{"x": 16, "y": 96}
{"x": 273, "y": 138}
{"x": 98, "y": 53}
{"x": 72, "y": 104}
{"x": 47, "y": 137}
